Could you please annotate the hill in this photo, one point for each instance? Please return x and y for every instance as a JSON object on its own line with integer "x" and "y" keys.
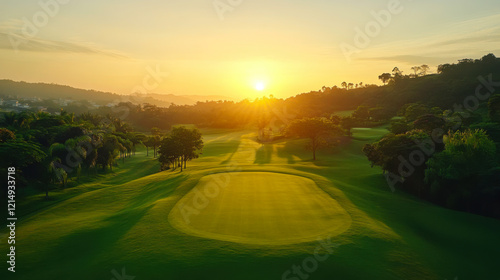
{"x": 24, "y": 90}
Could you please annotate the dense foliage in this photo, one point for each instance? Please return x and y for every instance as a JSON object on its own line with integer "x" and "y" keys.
{"x": 321, "y": 132}
{"x": 180, "y": 146}
{"x": 50, "y": 149}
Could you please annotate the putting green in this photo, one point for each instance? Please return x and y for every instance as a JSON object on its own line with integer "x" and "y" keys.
{"x": 259, "y": 208}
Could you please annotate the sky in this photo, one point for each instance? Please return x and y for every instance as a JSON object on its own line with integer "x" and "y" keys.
{"x": 236, "y": 48}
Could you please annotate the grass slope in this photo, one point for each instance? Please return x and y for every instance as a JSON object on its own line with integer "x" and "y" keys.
{"x": 121, "y": 221}
{"x": 259, "y": 208}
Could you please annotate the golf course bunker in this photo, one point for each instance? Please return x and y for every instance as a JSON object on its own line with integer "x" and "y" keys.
{"x": 259, "y": 208}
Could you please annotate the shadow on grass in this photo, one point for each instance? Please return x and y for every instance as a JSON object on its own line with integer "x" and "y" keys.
{"x": 264, "y": 154}
{"x": 294, "y": 149}
{"x": 156, "y": 191}
{"x": 85, "y": 245}
{"x": 232, "y": 147}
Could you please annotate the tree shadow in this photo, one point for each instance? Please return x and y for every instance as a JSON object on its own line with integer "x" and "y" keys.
{"x": 264, "y": 154}
{"x": 283, "y": 152}
{"x": 233, "y": 149}
{"x": 85, "y": 245}
{"x": 294, "y": 149}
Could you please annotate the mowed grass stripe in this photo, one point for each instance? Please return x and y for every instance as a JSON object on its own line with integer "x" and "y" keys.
{"x": 262, "y": 208}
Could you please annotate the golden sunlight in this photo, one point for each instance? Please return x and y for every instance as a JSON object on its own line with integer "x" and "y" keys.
{"x": 260, "y": 86}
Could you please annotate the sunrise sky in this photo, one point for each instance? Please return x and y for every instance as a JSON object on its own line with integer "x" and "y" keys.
{"x": 257, "y": 48}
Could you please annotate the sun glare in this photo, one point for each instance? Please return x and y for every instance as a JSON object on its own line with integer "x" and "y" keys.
{"x": 260, "y": 86}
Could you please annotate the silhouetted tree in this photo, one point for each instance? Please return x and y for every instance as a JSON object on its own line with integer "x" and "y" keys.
{"x": 424, "y": 68}
{"x": 188, "y": 144}
{"x": 494, "y": 108}
{"x": 318, "y": 130}
{"x": 385, "y": 78}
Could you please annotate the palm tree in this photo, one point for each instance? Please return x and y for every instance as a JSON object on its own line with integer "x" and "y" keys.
{"x": 9, "y": 119}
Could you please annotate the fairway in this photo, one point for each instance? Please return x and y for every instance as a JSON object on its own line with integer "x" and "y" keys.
{"x": 245, "y": 211}
{"x": 259, "y": 208}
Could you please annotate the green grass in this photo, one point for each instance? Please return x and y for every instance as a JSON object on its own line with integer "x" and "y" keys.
{"x": 259, "y": 208}
{"x": 344, "y": 113}
{"x": 122, "y": 220}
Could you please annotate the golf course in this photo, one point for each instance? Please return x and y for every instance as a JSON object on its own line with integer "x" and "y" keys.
{"x": 247, "y": 210}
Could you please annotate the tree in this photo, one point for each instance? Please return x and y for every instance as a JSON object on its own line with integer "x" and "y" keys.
{"x": 492, "y": 129}
{"x": 379, "y": 113}
{"x": 467, "y": 153}
{"x": 155, "y": 131}
{"x": 386, "y": 152}
{"x": 262, "y": 122}
{"x": 414, "y": 110}
{"x": 148, "y": 142}
{"x": 416, "y": 70}
{"x": 54, "y": 168}
{"x": 455, "y": 172}
{"x": 398, "y": 74}
{"x": 443, "y": 68}
{"x": 125, "y": 146}
{"x": 318, "y": 130}
{"x": 344, "y": 85}
{"x": 362, "y": 113}
{"x": 155, "y": 142}
{"x": 385, "y": 78}
{"x": 424, "y": 68}
{"x": 429, "y": 123}
{"x": 9, "y": 120}
{"x": 136, "y": 139}
{"x": 494, "y": 108}
{"x": 191, "y": 142}
{"x": 400, "y": 126}
{"x": 93, "y": 119}
{"x": 170, "y": 152}
{"x": 392, "y": 152}
{"x": 107, "y": 153}
{"x": 6, "y": 135}
{"x": 184, "y": 144}
{"x": 118, "y": 124}
{"x": 90, "y": 159}
{"x": 20, "y": 154}
{"x": 347, "y": 123}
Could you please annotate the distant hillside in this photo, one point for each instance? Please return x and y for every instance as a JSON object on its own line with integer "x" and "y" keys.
{"x": 187, "y": 99}
{"x": 14, "y": 89}
{"x": 454, "y": 84}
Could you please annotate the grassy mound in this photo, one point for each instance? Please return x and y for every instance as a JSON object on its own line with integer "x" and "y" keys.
{"x": 259, "y": 208}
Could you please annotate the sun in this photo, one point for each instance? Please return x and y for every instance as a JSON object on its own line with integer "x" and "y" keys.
{"x": 260, "y": 86}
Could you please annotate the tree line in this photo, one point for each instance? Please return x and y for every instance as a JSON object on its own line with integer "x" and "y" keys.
{"x": 448, "y": 157}
{"x": 51, "y": 150}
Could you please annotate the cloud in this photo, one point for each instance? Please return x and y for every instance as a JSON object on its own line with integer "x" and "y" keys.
{"x": 464, "y": 39}
{"x": 13, "y": 38}
{"x": 409, "y": 59}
